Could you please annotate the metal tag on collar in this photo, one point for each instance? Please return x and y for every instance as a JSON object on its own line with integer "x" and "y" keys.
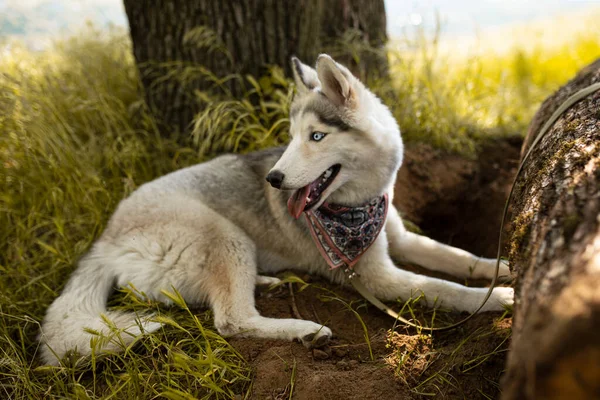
{"x": 350, "y": 273}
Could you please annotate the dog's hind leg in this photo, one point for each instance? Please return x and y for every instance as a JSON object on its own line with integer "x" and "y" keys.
{"x": 426, "y": 252}
{"x": 207, "y": 259}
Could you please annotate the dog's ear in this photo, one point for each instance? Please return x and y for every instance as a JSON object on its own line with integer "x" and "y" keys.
{"x": 305, "y": 77}
{"x": 336, "y": 82}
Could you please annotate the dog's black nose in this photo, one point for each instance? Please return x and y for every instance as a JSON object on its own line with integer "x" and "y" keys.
{"x": 275, "y": 178}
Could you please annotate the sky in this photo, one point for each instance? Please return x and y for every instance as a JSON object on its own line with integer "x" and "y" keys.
{"x": 37, "y": 21}
{"x": 466, "y": 17}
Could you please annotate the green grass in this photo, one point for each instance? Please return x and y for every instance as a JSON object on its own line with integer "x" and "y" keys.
{"x": 69, "y": 152}
{"x": 75, "y": 138}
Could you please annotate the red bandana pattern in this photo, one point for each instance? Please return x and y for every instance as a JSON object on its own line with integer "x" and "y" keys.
{"x": 343, "y": 234}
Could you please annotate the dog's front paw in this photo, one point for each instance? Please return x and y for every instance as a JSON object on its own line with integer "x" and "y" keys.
{"x": 317, "y": 339}
{"x": 500, "y": 298}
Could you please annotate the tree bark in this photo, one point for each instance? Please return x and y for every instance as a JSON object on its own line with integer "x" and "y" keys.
{"x": 555, "y": 251}
{"x": 241, "y": 37}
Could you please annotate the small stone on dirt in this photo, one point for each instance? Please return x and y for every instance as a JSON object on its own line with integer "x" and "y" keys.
{"x": 340, "y": 351}
{"x": 343, "y": 365}
{"x": 254, "y": 353}
{"x": 320, "y": 354}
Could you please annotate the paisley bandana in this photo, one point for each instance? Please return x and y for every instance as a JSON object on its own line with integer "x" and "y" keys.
{"x": 343, "y": 234}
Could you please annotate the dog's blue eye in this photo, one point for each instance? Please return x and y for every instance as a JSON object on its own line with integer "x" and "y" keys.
{"x": 316, "y": 136}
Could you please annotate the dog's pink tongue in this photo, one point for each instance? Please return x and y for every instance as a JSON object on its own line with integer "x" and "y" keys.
{"x": 297, "y": 201}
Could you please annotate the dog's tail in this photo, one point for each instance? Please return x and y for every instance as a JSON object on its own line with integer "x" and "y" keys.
{"x": 81, "y": 309}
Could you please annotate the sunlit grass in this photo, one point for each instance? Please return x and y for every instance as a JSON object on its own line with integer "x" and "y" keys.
{"x": 432, "y": 364}
{"x": 75, "y": 138}
{"x": 452, "y": 95}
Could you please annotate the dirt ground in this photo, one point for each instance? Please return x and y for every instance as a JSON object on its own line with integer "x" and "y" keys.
{"x": 454, "y": 200}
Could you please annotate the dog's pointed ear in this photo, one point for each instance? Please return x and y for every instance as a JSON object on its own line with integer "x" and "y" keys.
{"x": 336, "y": 82}
{"x": 305, "y": 77}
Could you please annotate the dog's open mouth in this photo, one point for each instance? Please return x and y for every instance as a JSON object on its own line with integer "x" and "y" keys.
{"x": 304, "y": 198}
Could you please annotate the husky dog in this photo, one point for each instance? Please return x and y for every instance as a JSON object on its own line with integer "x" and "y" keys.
{"x": 212, "y": 230}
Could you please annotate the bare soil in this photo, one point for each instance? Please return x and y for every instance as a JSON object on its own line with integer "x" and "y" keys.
{"x": 454, "y": 200}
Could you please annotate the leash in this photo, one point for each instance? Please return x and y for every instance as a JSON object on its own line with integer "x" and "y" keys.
{"x": 354, "y": 278}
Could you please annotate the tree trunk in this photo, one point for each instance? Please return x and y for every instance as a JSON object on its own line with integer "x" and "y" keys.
{"x": 172, "y": 38}
{"x": 555, "y": 251}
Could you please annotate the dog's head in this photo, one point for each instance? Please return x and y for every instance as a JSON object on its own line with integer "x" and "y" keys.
{"x": 345, "y": 144}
